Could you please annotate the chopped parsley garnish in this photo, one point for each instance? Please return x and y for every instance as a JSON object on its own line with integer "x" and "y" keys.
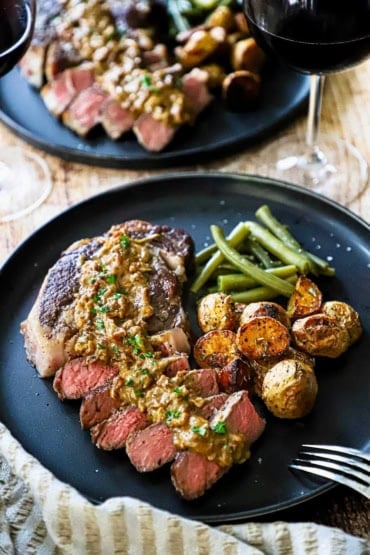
{"x": 220, "y": 428}
{"x": 92, "y": 280}
{"x": 145, "y": 371}
{"x": 101, "y": 346}
{"x": 104, "y": 309}
{"x": 136, "y": 343}
{"x": 125, "y": 241}
{"x": 112, "y": 278}
{"x": 98, "y": 297}
{"x": 139, "y": 393}
{"x": 171, "y": 414}
{"x": 93, "y": 311}
{"x": 130, "y": 382}
{"x": 115, "y": 350}
{"x": 146, "y": 81}
{"x": 200, "y": 430}
{"x": 180, "y": 390}
{"x": 119, "y": 294}
{"x": 148, "y": 354}
{"x": 100, "y": 325}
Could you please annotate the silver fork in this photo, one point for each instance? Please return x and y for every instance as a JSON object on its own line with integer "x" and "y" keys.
{"x": 344, "y": 465}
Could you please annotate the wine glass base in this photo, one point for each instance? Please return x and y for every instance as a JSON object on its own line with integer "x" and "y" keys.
{"x": 25, "y": 183}
{"x": 336, "y": 169}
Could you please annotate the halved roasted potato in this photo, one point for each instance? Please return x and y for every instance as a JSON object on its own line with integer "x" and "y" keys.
{"x": 305, "y": 300}
{"x": 236, "y": 375}
{"x": 262, "y": 337}
{"x": 215, "y": 349}
{"x": 320, "y": 335}
{"x": 216, "y": 311}
{"x": 265, "y": 308}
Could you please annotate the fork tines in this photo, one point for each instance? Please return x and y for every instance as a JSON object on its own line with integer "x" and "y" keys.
{"x": 346, "y": 466}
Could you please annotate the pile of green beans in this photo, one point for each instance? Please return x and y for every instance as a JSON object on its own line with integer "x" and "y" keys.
{"x": 256, "y": 261}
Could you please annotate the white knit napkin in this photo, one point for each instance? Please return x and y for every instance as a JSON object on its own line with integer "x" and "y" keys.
{"x": 41, "y": 515}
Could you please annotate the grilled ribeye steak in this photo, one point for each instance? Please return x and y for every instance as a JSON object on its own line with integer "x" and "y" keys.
{"x": 52, "y": 331}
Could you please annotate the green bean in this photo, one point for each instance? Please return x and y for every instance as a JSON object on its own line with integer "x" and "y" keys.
{"x": 317, "y": 265}
{"x": 205, "y": 254}
{"x": 276, "y": 247}
{"x": 240, "y": 282}
{"x": 262, "y": 293}
{"x": 247, "y": 267}
{"x": 235, "y": 238}
{"x": 260, "y": 253}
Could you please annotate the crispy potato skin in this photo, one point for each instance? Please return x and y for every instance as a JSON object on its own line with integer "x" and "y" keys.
{"x": 289, "y": 389}
{"x": 305, "y": 300}
{"x": 265, "y": 308}
{"x": 346, "y": 317}
{"x": 261, "y": 367}
{"x": 216, "y": 311}
{"x": 262, "y": 337}
{"x": 320, "y": 335}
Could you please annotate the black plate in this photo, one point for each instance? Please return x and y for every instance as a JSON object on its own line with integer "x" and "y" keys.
{"x": 217, "y": 130}
{"x": 50, "y": 429}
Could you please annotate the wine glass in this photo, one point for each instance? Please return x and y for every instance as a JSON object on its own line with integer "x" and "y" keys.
{"x": 24, "y": 177}
{"x": 315, "y": 37}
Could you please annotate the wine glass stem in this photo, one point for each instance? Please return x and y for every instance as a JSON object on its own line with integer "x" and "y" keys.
{"x": 313, "y": 120}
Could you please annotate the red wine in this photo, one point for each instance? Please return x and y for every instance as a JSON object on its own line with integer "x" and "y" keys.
{"x": 16, "y": 26}
{"x": 312, "y": 36}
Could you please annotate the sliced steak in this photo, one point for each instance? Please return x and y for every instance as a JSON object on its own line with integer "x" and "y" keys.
{"x": 151, "y": 448}
{"x": 113, "y": 432}
{"x": 154, "y": 135}
{"x": 212, "y": 404}
{"x": 171, "y": 341}
{"x": 98, "y": 405}
{"x": 77, "y": 378}
{"x": 60, "y": 56}
{"x": 192, "y": 474}
{"x": 179, "y": 364}
{"x": 60, "y": 93}
{"x": 49, "y": 327}
{"x": 202, "y": 383}
{"x": 85, "y": 111}
{"x": 194, "y": 86}
{"x": 240, "y": 416}
{"x": 115, "y": 120}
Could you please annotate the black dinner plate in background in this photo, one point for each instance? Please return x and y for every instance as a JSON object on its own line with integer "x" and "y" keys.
{"x": 217, "y": 131}
{"x": 50, "y": 430}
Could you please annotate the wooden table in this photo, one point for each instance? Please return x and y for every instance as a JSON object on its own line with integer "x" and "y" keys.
{"x": 346, "y": 114}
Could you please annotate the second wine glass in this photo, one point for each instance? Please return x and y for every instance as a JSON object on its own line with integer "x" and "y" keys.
{"x": 315, "y": 37}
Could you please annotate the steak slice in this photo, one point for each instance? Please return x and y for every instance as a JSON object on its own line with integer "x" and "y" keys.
{"x": 85, "y": 111}
{"x": 154, "y": 135}
{"x": 113, "y": 432}
{"x": 50, "y": 324}
{"x": 116, "y": 120}
{"x": 212, "y": 404}
{"x": 193, "y": 474}
{"x": 59, "y": 93}
{"x": 240, "y": 416}
{"x": 77, "y": 377}
{"x": 151, "y": 448}
{"x": 98, "y": 405}
{"x": 202, "y": 382}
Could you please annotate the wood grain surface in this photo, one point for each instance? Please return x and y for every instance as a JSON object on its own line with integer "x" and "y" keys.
{"x": 345, "y": 113}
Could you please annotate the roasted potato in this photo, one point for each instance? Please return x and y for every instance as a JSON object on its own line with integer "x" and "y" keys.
{"x": 215, "y": 75}
{"x": 265, "y": 308}
{"x": 246, "y": 54}
{"x": 262, "y": 337}
{"x": 262, "y": 366}
{"x": 236, "y": 375}
{"x": 216, "y": 311}
{"x": 320, "y": 335}
{"x": 215, "y": 349}
{"x": 346, "y": 317}
{"x": 240, "y": 89}
{"x": 200, "y": 45}
{"x": 222, "y": 16}
{"x": 305, "y": 300}
{"x": 289, "y": 389}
